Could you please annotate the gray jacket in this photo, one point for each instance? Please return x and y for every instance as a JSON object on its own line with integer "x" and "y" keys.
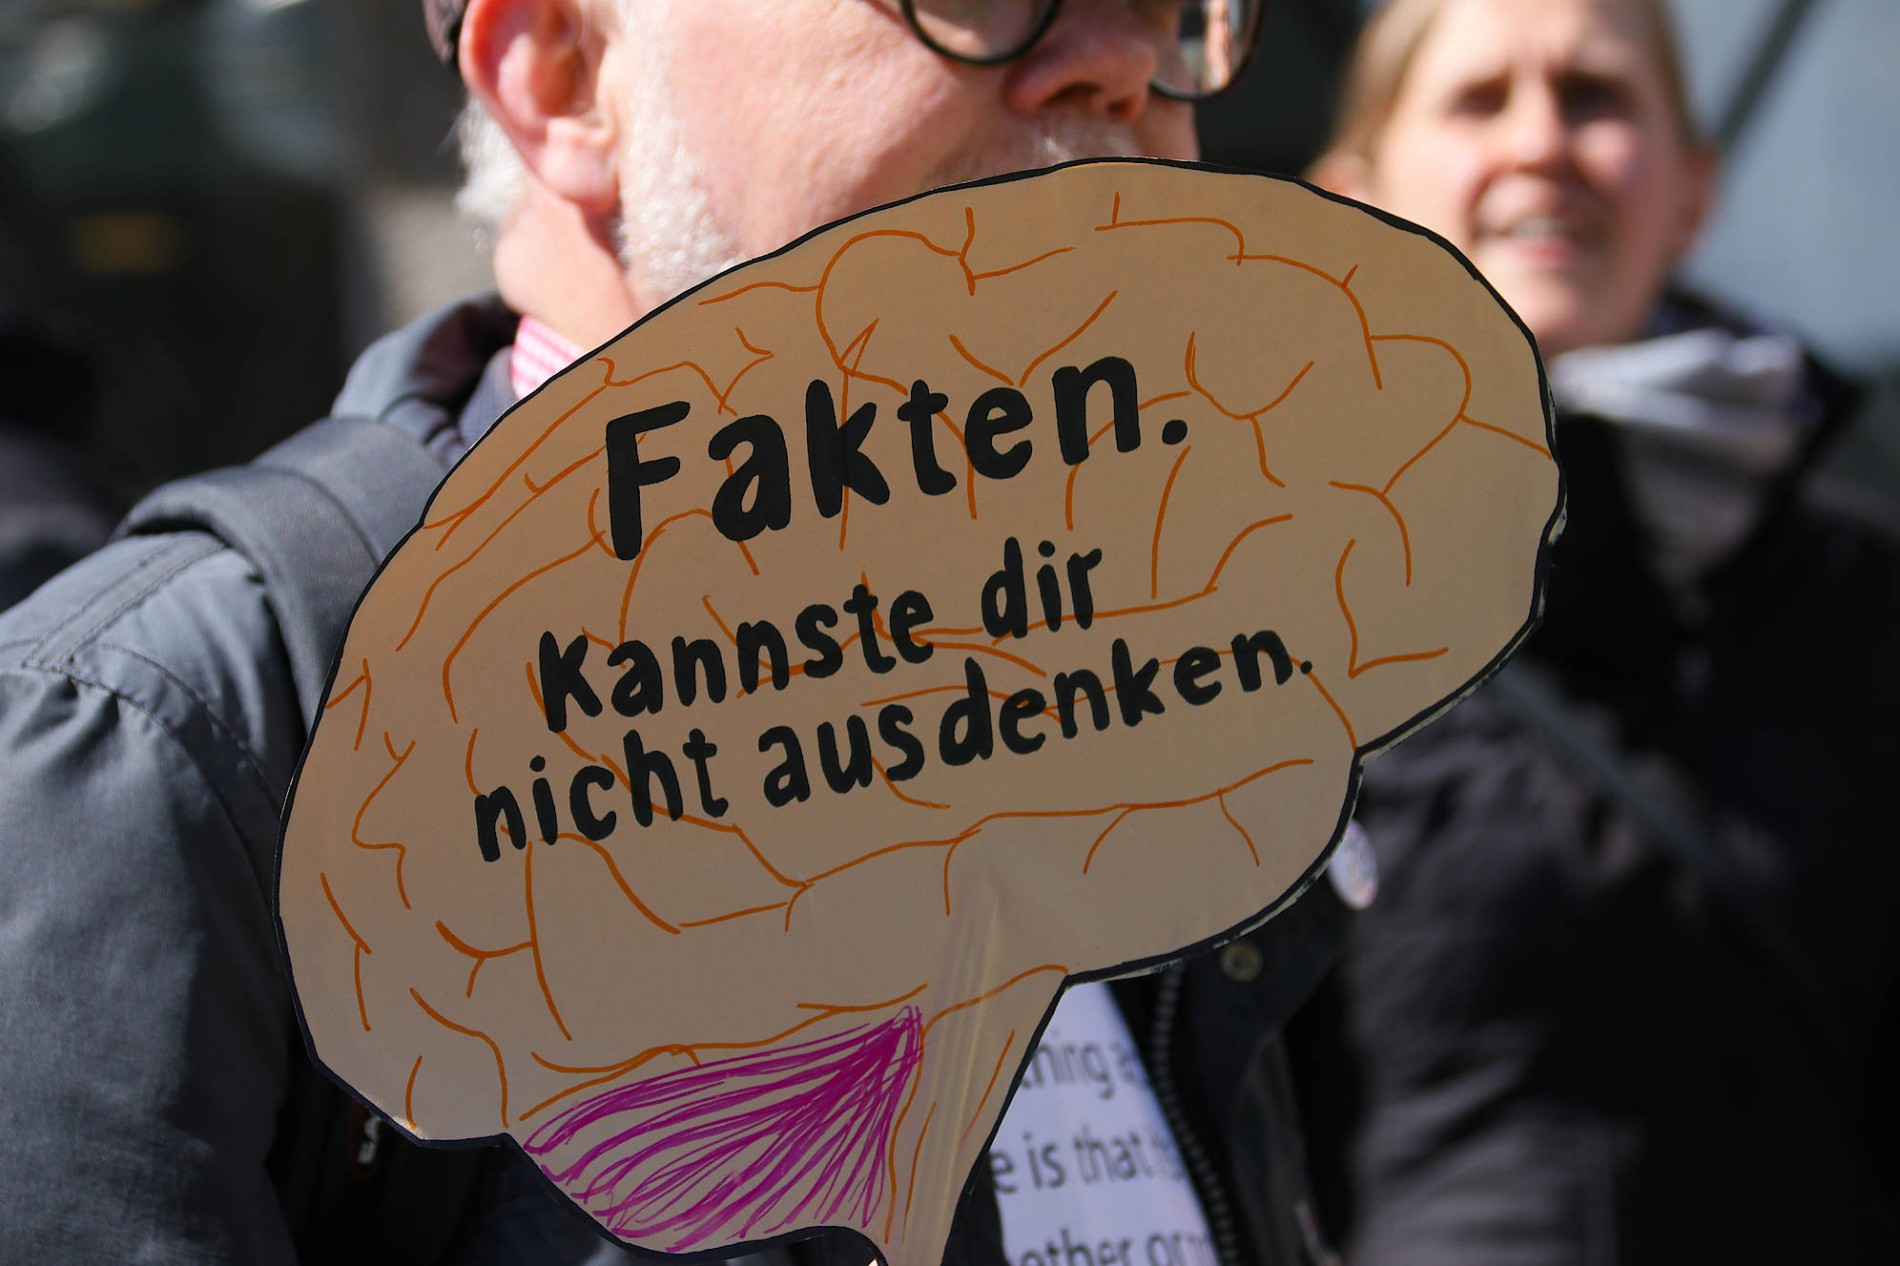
{"x": 149, "y": 729}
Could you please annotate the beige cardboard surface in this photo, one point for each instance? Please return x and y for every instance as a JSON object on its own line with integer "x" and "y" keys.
{"x": 1290, "y": 462}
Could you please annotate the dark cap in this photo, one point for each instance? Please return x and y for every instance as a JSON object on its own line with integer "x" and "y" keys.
{"x": 444, "y": 19}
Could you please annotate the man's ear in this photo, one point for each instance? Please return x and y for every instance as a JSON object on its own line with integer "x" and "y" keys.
{"x": 1342, "y": 173}
{"x": 535, "y": 65}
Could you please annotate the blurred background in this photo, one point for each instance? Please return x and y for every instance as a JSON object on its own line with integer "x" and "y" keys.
{"x": 218, "y": 202}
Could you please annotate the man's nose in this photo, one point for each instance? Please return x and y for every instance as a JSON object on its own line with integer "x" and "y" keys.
{"x": 1098, "y": 57}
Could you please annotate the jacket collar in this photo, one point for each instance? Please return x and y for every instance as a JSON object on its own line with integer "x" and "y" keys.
{"x": 425, "y": 376}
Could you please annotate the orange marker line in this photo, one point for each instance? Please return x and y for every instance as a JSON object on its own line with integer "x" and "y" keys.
{"x": 626, "y": 889}
{"x": 618, "y": 1070}
{"x": 910, "y": 800}
{"x": 409, "y": 1095}
{"x": 362, "y": 720}
{"x": 468, "y": 763}
{"x": 340, "y": 696}
{"x": 1463, "y": 367}
{"x": 842, "y": 1008}
{"x": 824, "y": 278}
{"x": 637, "y": 379}
{"x": 646, "y": 552}
{"x": 1303, "y": 266}
{"x": 448, "y": 693}
{"x": 926, "y": 690}
{"x": 369, "y": 687}
{"x": 757, "y": 855}
{"x": 1151, "y": 607}
{"x": 936, "y": 631}
{"x": 612, "y": 1070}
{"x": 890, "y": 1153}
{"x": 536, "y": 489}
{"x": 481, "y": 957}
{"x": 1245, "y": 838}
{"x": 362, "y": 947}
{"x": 463, "y": 947}
{"x": 1298, "y": 762}
{"x": 963, "y": 254}
{"x": 1249, "y": 530}
{"x": 1068, "y": 497}
{"x": 1194, "y": 381}
{"x": 1089, "y": 860}
{"x": 1339, "y": 591}
{"x": 862, "y": 344}
{"x": 567, "y": 740}
{"x": 883, "y": 851}
{"x": 761, "y": 356}
{"x": 1260, "y": 453}
{"x": 1338, "y": 711}
{"x": 736, "y": 914}
{"x": 598, "y": 533}
{"x": 452, "y": 521}
{"x": 1016, "y": 268}
{"x": 1049, "y": 711}
{"x": 1240, "y": 240}
{"x": 1288, "y": 390}
{"x": 757, "y": 285}
{"x": 1161, "y": 516}
{"x": 981, "y": 649}
{"x": 987, "y": 994}
{"x": 534, "y": 687}
{"x": 1365, "y": 331}
{"x": 911, "y": 1192}
{"x": 1419, "y": 456}
{"x": 501, "y": 1067}
{"x": 1509, "y": 435}
{"x": 534, "y": 939}
{"x": 356, "y": 826}
{"x": 1405, "y": 537}
{"x": 970, "y": 356}
{"x": 1411, "y": 658}
{"x": 428, "y": 594}
{"x": 995, "y": 1074}
{"x": 1078, "y": 332}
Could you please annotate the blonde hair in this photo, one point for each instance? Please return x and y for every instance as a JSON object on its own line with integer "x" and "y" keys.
{"x": 1391, "y": 39}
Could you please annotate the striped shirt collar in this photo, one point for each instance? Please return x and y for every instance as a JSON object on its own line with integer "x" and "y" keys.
{"x": 539, "y": 353}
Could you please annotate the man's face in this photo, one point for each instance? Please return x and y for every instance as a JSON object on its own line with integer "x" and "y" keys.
{"x": 749, "y": 124}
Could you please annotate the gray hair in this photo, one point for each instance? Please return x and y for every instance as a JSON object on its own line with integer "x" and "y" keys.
{"x": 494, "y": 176}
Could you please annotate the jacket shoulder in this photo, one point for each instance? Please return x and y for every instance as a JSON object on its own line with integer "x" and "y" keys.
{"x": 180, "y": 628}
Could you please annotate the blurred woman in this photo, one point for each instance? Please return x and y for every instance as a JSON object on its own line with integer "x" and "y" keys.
{"x": 1628, "y": 993}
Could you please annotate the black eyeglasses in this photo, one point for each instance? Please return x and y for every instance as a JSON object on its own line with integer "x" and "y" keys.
{"x": 1201, "y": 46}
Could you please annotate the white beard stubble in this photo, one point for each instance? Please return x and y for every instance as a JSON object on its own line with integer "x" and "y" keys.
{"x": 671, "y": 237}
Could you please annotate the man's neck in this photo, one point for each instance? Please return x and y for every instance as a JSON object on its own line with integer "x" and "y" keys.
{"x": 559, "y": 266}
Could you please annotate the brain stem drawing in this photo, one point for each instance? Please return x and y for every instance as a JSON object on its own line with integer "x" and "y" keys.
{"x": 996, "y": 590}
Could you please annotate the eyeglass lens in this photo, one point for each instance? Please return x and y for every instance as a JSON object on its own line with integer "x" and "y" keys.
{"x": 1200, "y": 45}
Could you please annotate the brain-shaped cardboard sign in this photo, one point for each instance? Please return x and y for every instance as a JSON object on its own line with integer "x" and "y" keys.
{"x": 988, "y": 592}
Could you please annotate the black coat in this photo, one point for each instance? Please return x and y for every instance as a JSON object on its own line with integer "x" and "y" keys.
{"x": 1554, "y": 1040}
